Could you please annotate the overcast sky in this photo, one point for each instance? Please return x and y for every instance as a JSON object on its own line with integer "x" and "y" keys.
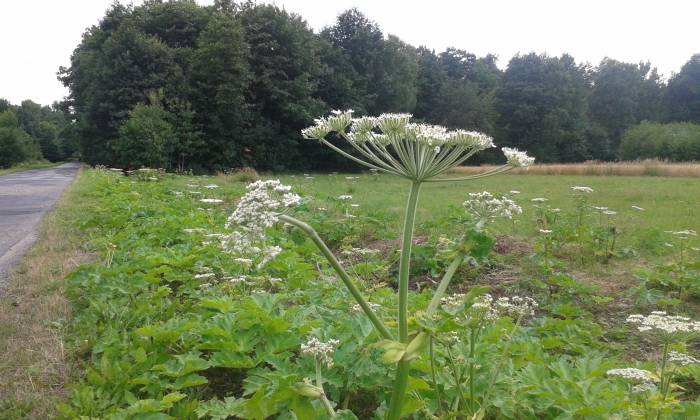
{"x": 38, "y": 36}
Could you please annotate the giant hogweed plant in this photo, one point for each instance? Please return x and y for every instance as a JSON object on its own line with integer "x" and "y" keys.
{"x": 391, "y": 144}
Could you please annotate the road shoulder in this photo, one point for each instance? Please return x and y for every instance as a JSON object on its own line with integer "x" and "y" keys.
{"x": 33, "y": 313}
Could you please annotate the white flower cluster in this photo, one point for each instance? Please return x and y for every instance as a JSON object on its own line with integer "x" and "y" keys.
{"x": 323, "y": 352}
{"x": 258, "y": 209}
{"x": 516, "y": 305}
{"x": 682, "y": 359}
{"x": 582, "y": 189}
{"x": 356, "y": 308}
{"x": 660, "y": 321}
{"x": 484, "y": 206}
{"x": 359, "y": 252}
{"x": 211, "y": 201}
{"x": 517, "y": 158}
{"x": 685, "y": 234}
{"x": 485, "y": 306}
{"x": 263, "y": 203}
{"x": 344, "y": 197}
{"x": 632, "y": 374}
{"x": 643, "y": 387}
{"x": 392, "y": 144}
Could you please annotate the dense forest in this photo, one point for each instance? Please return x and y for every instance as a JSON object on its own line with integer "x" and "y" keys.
{"x": 182, "y": 86}
{"x": 31, "y": 132}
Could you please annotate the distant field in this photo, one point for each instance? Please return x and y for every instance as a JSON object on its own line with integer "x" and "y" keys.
{"x": 668, "y": 203}
{"x": 637, "y": 168}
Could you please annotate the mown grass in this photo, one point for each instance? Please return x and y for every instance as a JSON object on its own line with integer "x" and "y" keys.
{"x": 34, "y": 367}
{"x": 27, "y": 166}
{"x": 668, "y": 203}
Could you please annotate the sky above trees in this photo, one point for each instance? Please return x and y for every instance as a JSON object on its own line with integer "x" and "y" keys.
{"x": 43, "y": 33}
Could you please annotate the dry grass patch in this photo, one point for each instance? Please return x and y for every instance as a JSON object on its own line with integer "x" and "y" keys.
{"x": 649, "y": 167}
{"x": 33, "y": 312}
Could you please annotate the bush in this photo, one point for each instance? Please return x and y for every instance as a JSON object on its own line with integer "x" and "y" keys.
{"x": 145, "y": 138}
{"x": 674, "y": 141}
{"x": 16, "y": 146}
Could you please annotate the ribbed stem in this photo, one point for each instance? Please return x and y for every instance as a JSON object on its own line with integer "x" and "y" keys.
{"x": 405, "y": 261}
{"x": 401, "y": 381}
{"x": 442, "y": 287}
{"x": 354, "y": 291}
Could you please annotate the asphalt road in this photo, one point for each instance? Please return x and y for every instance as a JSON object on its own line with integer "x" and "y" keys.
{"x": 24, "y": 199}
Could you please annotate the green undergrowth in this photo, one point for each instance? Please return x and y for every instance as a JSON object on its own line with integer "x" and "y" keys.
{"x": 166, "y": 325}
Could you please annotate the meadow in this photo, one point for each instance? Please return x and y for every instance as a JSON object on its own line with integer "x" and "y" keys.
{"x": 165, "y": 324}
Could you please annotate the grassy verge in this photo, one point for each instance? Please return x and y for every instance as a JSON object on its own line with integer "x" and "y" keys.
{"x": 27, "y": 166}
{"x": 33, "y": 368}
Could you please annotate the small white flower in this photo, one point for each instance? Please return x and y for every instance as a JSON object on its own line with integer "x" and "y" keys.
{"x": 545, "y": 231}
{"x": 637, "y": 208}
{"x": 344, "y": 197}
{"x": 514, "y": 192}
{"x": 582, "y": 189}
{"x": 609, "y": 212}
{"x": 204, "y": 276}
{"x": 211, "y": 201}
{"x": 539, "y": 200}
{"x": 211, "y": 186}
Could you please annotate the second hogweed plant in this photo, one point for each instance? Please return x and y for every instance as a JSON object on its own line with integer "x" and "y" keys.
{"x": 392, "y": 144}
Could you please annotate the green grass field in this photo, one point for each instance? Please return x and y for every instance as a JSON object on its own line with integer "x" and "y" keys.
{"x": 668, "y": 203}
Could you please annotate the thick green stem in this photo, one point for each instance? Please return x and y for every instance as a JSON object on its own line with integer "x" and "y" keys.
{"x": 405, "y": 262}
{"x": 444, "y": 283}
{"x": 354, "y": 291}
{"x": 398, "y": 393}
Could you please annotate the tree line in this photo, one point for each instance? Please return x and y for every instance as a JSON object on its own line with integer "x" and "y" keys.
{"x": 31, "y": 132}
{"x": 182, "y": 86}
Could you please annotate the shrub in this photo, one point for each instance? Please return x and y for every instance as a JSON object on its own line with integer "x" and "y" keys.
{"x": 674, "y": 141}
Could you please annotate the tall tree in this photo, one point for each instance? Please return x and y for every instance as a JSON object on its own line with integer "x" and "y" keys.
{"x": 683, "y": 97}
{"x": 541, "y": 105}
{"x": 622, "y": 95}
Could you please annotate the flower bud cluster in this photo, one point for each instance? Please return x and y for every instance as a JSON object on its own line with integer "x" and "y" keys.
{"x": 485, "y": 206}
{"x": 323, "y": 352}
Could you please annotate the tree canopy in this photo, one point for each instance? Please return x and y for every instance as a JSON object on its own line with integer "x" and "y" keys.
{"x": 232, "y": 85}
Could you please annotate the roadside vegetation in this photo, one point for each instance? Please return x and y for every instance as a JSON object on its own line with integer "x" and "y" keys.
{"x": 166, "y": 324}
{"x": 36, "y": 366}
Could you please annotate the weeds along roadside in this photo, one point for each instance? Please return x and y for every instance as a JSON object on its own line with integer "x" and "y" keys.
{"x": 156, "y": 339}
{"x": 35, "y": 366}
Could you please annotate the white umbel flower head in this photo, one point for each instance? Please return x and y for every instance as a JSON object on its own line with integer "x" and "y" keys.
{"x": 484, "y": 206}
{"x": 631, "y": 374}
{"x": 582, "y": 189}
{"x": 393, "y": 144}
{"x": 322, "y": 352}
{"x": 262, "y": 204}
{"x": 682, "y": 359}
{"x": 516, "y": 158}
{"x": 660, "y": 322}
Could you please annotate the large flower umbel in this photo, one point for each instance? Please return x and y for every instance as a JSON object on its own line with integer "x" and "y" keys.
{"x": 392, "y": 143}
